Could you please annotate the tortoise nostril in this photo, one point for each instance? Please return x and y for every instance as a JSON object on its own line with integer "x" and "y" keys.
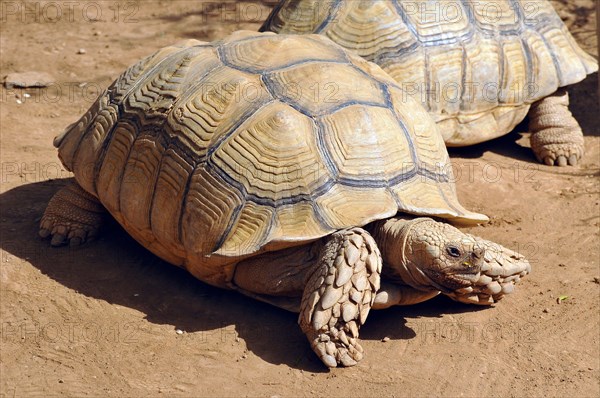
{"x": 478, "y": 253}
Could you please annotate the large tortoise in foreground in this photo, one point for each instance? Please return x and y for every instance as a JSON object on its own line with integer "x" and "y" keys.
{"x": 205, "y": 155}
{"x": 478, "y": 67}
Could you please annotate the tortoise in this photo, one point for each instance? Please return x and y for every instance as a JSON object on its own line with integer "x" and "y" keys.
{"x": 478, "y": 67}
{"x": 204, "y": 154}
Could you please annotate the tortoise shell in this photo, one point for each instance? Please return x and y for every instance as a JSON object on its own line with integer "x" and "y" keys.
{"x": 207, "y": 153}
{"x": 475, "y": 66}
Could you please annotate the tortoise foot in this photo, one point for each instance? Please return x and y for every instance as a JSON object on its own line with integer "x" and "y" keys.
{"x": 72, "y": 217}
{"x": 556, "y": 139}
{"x": 339, "y": 295}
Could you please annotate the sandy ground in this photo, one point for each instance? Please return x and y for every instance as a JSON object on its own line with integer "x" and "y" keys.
{"x": 101, "y": 320}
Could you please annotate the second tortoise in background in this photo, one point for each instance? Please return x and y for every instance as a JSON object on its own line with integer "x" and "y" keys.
{"x": 478, "y": 67}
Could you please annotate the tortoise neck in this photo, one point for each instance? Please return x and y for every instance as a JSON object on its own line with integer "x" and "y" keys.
{"x": 394, "y": 239}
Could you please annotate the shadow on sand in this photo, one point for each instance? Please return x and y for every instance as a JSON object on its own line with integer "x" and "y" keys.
{"x": 116, "y": 269}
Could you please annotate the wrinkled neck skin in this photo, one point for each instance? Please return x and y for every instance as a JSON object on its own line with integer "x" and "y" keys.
{"x": 393, "y": 237}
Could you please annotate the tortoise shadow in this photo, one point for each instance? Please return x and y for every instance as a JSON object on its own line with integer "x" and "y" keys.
{"x": 118, "y": 270}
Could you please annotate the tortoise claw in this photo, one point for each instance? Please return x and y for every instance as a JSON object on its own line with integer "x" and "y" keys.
{"x": 573, "y": 160}
{"x": 58, "y": 239}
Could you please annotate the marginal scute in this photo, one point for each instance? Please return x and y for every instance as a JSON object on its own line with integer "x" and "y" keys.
{"x": 344, "y": 206}
{"x": 83, "y": 143}
{"x": 138, "y": 183}
{"x": 568, "y": 63}
{"x": 111, "y": 169}
{"x": 482, "y": 65}
{"x": 296, "y": 224}
{"x": 445, "y": 67}
{"x": 514, "y": 79}
{"x": 423, "y": 196}
{"x": 546, "y": 79}
{"x": 249, "y": 233}
{"x": 211, "y": 206}
{"x": 169, "y": 194}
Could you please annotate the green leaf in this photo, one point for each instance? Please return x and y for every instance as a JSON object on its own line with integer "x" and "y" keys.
{"x": 562, "y": 298}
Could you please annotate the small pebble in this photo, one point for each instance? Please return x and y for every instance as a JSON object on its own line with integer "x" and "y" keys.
{"x": 179, "y": 331}
{"x": 385, "y": 339}
{"x": 546, "y": 310}
{"x": 81, "y": 51}
{"x": 596, "y": 280}
{"x": 26, "y": 95}
{"x": 60, "y": 381}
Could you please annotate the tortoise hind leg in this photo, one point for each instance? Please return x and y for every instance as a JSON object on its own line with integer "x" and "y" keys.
{"x": 556, "y": 138}
{"x": 339, "y": 294}
{"x": 72, "y": 216}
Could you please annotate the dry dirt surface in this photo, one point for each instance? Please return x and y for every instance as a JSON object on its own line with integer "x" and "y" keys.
{"x": 110, "y": 319}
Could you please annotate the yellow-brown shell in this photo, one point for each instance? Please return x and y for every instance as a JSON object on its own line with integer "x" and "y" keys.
{"x": 475, "y": 65}
{"x": 210, "y": 152}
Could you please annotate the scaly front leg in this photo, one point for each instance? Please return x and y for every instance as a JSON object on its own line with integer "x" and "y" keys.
{"x": 339, "y": 294}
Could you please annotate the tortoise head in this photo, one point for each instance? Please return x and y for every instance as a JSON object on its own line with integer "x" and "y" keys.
{"x": 430, "y": 255}
{"x": 443, "y": 257}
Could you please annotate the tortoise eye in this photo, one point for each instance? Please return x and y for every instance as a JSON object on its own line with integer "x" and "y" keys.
{"x": 453, "y": 251}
